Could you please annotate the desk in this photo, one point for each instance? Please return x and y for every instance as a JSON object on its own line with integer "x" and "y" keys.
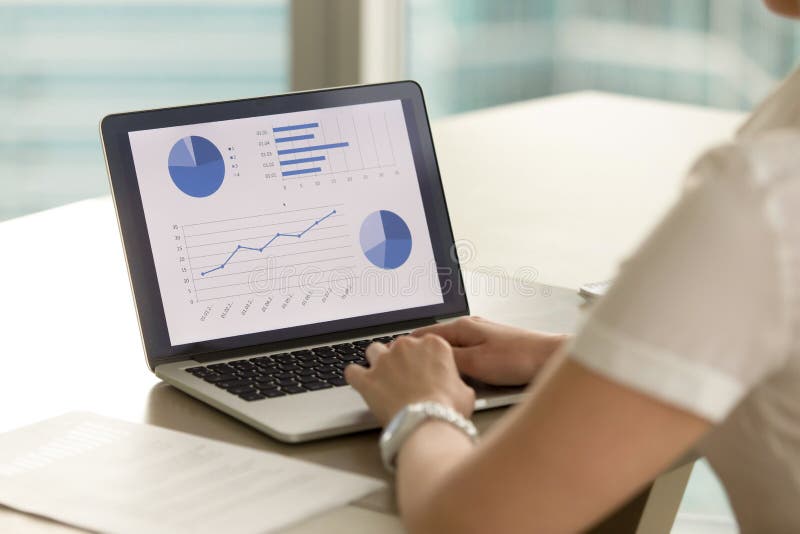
{"x": 540, "y": 184}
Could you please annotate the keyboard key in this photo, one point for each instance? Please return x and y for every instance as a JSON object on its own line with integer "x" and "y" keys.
{"x": 337, "y": 382}
{"x": 270, "y": 393}
{"x": 342, "y": 346}
{"x": 265, "y": 384}
{"x": 304, "y": 372}
{"x": 241, "y": 389}
{"x": 327, "y": 361}
{"x": 252, "y": 396}
{"x": 195, "y": 370}
{"x": 351, "y": 358}
{"x": 283, "y": 376}
{"x": 287, "y": 382}
{"x": 322, "y": 350}
{"x": 314, "y": 386}
{"x": 300, "y": 352}
{"x": 248, "y": 374}
{"x": 309, "y": 378}
{"x": 326, "y": 376}
{"x": 291, "y": 390}
{"x": 214, "y": 378}
{"x": 308, "y": 364}
{"x": 289, "y": 367}
{"x": 232, "y": 383}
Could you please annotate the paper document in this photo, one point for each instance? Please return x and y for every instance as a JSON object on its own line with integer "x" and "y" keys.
{"x": 112, "y": 476}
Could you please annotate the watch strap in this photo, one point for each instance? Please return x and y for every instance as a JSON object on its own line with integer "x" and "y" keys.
{"x": 409, "y": 418}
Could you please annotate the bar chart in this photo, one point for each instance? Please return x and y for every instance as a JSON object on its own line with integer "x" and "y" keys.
{"x": 340, "y": 144}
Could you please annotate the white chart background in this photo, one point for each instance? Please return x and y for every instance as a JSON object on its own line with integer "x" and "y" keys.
{"x": 318, "y": 277}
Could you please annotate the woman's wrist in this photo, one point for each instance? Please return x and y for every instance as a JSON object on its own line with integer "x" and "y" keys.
{"x": 551, "y": 343}
{"x": 406, "y": 422}
{"x": 435, "y": 431}
{"x": 543, "y": 346}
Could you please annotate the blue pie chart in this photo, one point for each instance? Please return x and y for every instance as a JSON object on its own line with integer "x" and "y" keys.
{"x": 196, "y": 166}
{"x": 385, "y": 239}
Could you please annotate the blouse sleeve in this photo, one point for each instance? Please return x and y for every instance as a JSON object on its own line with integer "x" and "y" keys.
{"x": 695, "y": 317}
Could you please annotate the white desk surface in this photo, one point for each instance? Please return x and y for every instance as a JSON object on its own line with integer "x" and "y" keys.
{"x": 566, "y": 185}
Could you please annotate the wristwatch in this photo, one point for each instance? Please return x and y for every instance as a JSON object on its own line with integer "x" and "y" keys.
{"x": 409, "y": 418}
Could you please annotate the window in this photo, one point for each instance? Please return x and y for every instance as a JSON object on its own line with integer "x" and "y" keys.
{"x": 67, "y": 64}
{"x": 470, "y": 53}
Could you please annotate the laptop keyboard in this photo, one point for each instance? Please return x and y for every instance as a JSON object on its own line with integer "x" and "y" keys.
{"x": 287, "y": 373}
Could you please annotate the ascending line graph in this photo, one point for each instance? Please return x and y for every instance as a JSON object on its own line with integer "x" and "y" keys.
{"x": 277, "y": 235}
{"x": 261, "y": 253}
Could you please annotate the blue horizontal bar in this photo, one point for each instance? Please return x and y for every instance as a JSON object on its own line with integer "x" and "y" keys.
{"x": 294, "y": 138}
{"x": 302, "y": 160}
{"x": 310, "y": 148}
{"x": 296, "y": 127}
{"x": 301, "y": 171}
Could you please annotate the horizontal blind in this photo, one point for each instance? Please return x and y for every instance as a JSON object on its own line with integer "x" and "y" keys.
{"x": 67, "y": 64}
{"x": 470, "y": 53}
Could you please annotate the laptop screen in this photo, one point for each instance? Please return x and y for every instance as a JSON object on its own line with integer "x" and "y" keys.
{"x": 276, "y": 221}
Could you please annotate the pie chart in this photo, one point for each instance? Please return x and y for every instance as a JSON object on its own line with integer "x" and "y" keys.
{"x": 385, "y": 239}
{"x": 196, "y": 166}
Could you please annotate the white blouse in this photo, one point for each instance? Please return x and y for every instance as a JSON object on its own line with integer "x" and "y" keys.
{"x": 706, "y": 314}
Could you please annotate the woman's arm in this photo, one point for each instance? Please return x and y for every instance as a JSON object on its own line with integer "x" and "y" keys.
{"x": 576, "y": 448}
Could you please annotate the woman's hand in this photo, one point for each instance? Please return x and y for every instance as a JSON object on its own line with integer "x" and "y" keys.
{"x": 411, "y": 369}
{"x": 494, "y": 353}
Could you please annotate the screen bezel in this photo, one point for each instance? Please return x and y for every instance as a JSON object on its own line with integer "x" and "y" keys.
{"x": 114, "y": 131}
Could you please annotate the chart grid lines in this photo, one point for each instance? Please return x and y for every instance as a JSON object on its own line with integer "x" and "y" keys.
{"x": 280, "y": 256}
{"x": 282, "y": 287}
{"x": 263, "y": 215}
{"x": 273, "y": 246}
{"x": 267, "y": 236}
{"x": 268, "y": 243}
{"x": 343, "y": 267}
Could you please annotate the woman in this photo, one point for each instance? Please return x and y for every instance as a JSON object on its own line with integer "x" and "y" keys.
{"x": 695, "y": 346}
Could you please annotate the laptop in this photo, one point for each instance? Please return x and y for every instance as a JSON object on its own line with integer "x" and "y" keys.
{"x": 270, "y": 240}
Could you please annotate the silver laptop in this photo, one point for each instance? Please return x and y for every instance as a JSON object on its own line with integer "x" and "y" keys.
{"x": 269, "y": 241}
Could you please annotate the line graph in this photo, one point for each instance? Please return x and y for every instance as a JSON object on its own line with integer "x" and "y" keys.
{"x": 305, "y": 249}
{"x": 260, "y": 249}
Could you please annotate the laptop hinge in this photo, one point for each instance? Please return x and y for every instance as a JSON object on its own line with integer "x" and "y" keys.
{"x": 312, "y": 340}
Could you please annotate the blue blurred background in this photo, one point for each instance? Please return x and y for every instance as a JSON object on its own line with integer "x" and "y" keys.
{"x": 66, "y": 64}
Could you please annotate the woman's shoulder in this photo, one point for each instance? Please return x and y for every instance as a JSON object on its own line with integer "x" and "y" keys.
{"x": 768, "y": 162}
